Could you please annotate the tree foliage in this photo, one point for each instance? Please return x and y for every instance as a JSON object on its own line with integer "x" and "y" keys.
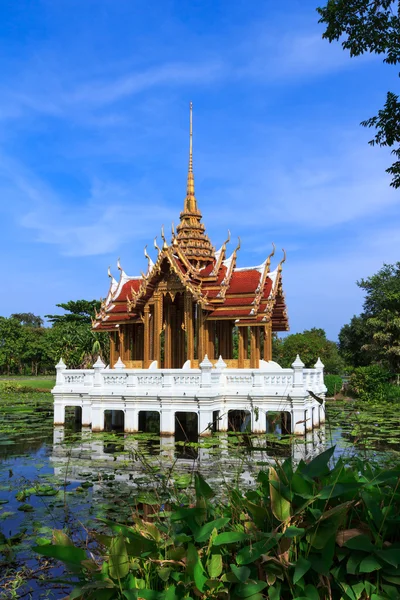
{"x": 382, "y": 315}
{"x": 77, "y": 311}
{"x": 28, "y": 319}
{"x": 374, "y": 336}
{"x": 371, "y": 26}
{"x": 26, "y": 347}
{"x": 353, "y": 339}
{"x": 310, "y": 345}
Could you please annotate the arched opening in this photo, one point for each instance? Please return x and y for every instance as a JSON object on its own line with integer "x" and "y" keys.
{"x": 286, "y": 423}
{"x": 279, "y": 423}
{"x": 239, "y": 421}
{"x": 73, "y": 417}
{"x": 114, "y": 420}
{"x": 186, "y": 427}
{"x": 186, "y": 431}
{"x": 216, "y": 420}
{"x": 149, "y": 421}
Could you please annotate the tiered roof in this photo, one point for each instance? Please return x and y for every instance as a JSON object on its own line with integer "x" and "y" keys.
{"x": 246, "y": 295}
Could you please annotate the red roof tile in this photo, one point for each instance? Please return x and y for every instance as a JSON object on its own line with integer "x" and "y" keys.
{"x": 244, "y": 281}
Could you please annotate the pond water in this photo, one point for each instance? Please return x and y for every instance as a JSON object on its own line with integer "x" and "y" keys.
{"x": 65, "y": 478}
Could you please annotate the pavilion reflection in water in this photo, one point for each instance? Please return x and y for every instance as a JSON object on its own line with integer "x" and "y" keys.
{"x": 226, "y": 459}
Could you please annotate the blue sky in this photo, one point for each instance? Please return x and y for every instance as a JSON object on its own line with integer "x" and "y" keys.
{"x": 94, "y": 102}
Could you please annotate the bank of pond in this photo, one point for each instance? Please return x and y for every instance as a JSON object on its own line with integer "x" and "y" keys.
{"x": 112, "y": 515}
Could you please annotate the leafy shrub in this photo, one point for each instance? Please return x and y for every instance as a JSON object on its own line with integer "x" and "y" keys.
{"x": 392, "y": 393}
{"x": 334, "y": 384}
{"x": 370, "y": 383}
{"x": 11, "y": 387}
{"x": 308, "y": 533}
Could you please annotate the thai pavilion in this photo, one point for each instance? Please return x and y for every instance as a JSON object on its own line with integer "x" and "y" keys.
{"x": 173, "y": 335}
{"x": 192, "y": 299}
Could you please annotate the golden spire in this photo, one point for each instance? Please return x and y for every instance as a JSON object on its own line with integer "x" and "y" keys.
{"x": 190, "y": 200}
{"x": 191, "y": 235}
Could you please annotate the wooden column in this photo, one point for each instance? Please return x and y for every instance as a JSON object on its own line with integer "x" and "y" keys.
{"x": 211, "y": 340}
{"x": 168, "y": 335}
{"x": 242, "y": 346}
{"x": 189, "y": 329}
{"x": 229, "y": 340}
{"x": 137, "y": 344}
{"x": 200, "y": 334}
{"x": 174, "y": 337}
{"x": 257, "y": 343}
{"x": 206, "y": 336}
{"x": 146, "y": 341}
{"x": 124, "y": 345}
{"x": 157, "y": 328}
{"x": 113, "y": 359}
{"x": 181, "y": 331}
{"x": 268, "y": 341}
{"x": 253, "y": 351}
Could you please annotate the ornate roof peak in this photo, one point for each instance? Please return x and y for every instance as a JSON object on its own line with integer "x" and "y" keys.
{"x": 191, "y": 235}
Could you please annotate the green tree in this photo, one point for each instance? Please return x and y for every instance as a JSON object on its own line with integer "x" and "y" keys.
{"x": 371, "y": 26}
{"x": 310, "y": 345}
{"x": 353, "y": 339}
{"x": 382, "y": 315}
{"x": 28, "y": 319}
{"x": 77, "y": 311}
{"x": 11, "y": 345}
{"x": 35, "y": 353}
{"x": 77, "y": 344}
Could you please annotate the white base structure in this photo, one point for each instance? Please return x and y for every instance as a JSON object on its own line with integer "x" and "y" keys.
{"x": 212, "y": 392}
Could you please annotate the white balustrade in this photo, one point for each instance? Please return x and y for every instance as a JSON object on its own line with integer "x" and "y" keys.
{"x": 212, "y": 387}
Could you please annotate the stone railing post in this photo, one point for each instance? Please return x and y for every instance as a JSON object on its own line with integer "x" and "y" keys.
{"x": 298, "y": 395}
{"x": 319, "y": 367}
{"x": 298, "y": 380}
{"x": 119, "y": 364}
{"x": 219, "y": 375}
{"x": 60, "y": 366}
{"x": 206, "y": 367}
{"x": 97, "y": 367}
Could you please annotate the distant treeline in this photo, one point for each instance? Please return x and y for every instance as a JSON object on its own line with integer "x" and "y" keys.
{"x": 27, "y": 347}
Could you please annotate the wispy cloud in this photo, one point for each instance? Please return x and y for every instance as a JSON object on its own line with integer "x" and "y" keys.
{"x": 99, "y": 224}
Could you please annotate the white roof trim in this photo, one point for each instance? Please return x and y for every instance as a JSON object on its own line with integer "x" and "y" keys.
{"x": 123, "y": 280}
{"x": 273, "y": 275}
{"x": 259, "y": 268}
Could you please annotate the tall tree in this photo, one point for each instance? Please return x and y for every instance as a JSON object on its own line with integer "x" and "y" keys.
{"x": 382, "y": 315}
{"x": 11, "y": 345}
{"x": 77, "y": 311}
{"x": 28, "y": 319}
{"x": 353, "y": 339}
{"x": 310, "y": 345}
{"x": 371, "y": 26}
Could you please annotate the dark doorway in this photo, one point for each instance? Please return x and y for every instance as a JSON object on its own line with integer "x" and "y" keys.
{"x": 279, "y": 423}
{"x": 239, "y": 420}
{"x": 114, "y": 420}
{"x": 149, "y": 421}
{"x": 215, "y": 425}
{"x": 73, "y": 418}
{"x": 186, "y": 427}
{"x": 186, "y": 433}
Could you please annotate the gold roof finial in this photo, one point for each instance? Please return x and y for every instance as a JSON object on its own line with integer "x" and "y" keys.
{"x": 283, "y": 260}
{"x": 190, "y": 199}
{"x": 165, "y": 245}
{"x": 191, "y": 139}
{"x": 191, "y": 235}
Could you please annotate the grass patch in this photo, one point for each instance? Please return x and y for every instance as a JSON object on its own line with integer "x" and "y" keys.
{"x": 33, "y": 383}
